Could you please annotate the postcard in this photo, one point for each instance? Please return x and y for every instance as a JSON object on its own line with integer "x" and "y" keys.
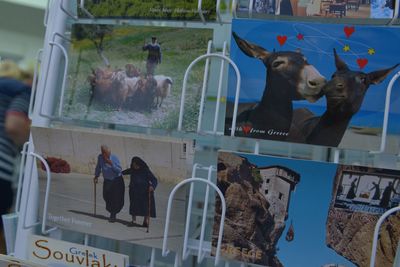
{"x": 382, "y": 9}
{"x": 113, "y": 184}
{"x": 57, "y": 253}
{"x": 316, "y": 8}
{"x": 133, "y": 75}
{"x": 153, "y": 9}
{"x": 258, "y": 6}
{"x": 322, "y": 84}
{"x": 271, "y": 217}
{"x": 360, "y": 196}
{"x": 9, "y": 261}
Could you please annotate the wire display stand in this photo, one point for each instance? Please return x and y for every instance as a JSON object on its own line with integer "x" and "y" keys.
{"x": 40, "y": 112}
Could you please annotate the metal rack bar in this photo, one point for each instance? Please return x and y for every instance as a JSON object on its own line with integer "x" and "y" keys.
{"x": 46, "y": 198}
{"x": 177, "y": 262}
{"x": 395, "y": 13}
{"x": 46, "y": 14}
{"x": 86, "y": 240}
{"x": 20, "y": 175}
{"x": 34, "y": 82}
{"x": 152, "y": 257}
{"x": 189, "y": 212}
{"x": 336, "y": 155}
{"x": 376, "y": 233}
{"x": 200, "y": 11}
{"x": 234, "y": 7}
{"x": 201, "y": 254}
{"x": 203, "y": 89}
{"x": 218, "y": 12}
{"x": 67, "y": 11}
{"x": 257, "y": 148}
{"x": 221, "y": 76}
{"x": 238, "y": 82}
{"x": 82, "y": 7}
{"x": 386, "y": 114}
{"x": 165, "y": 251}
{"x": 63, "y": 82}
{"x": 251, "y": 5}
{"x": 24, "y": 224}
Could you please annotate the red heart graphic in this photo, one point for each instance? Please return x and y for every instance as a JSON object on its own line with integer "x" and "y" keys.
{"x": 281, "y": 39}
{"x": 246, "y": 128}
{"x": 349, "y": 30}
{"x": 362, "y": 62}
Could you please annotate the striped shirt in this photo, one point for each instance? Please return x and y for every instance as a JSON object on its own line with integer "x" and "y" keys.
{"x": 14, "y": 98}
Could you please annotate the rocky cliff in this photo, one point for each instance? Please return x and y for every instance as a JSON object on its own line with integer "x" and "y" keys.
{"x": 250, "y": 231}
{"x": 350, "y": 235}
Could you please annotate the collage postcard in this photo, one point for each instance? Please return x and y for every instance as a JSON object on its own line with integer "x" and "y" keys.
{"x": 113, "y": 185}
{"x": 288, "y": 212}
{"x": 321, "y": 84}
{"x": 377, "y": 9}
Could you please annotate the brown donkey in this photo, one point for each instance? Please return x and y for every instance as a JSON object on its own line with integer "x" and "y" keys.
{"x": 289, "y": 77}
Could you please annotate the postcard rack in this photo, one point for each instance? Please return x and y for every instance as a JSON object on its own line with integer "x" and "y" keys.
{"x": 53, "y": 59}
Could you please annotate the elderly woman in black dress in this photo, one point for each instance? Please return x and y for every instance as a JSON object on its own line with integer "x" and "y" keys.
{"x": 141, "y": 191}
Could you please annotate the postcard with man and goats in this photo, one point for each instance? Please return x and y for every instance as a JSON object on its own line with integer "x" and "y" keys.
{"x": 114, "y": 185}
{"x": 133, "y": 75}
{"x": 153, "y": 9}
{"x": 288, "y": 212}
{"x": 321, "y": 84}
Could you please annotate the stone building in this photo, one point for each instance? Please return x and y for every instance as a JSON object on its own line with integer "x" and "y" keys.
{"x": 278, "y": 183}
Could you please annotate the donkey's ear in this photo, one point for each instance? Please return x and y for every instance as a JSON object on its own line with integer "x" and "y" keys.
{"x": 378, "y": 76}
{"x": 252, "y": 50}
{"x": 340, "y": 64}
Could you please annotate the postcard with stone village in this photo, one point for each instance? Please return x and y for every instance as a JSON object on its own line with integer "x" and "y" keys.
{"x": 153, "y": 9}
{"x": 133, "y": 75}
{"x": 283, "y": 212}
{"x": 322, "y": 84}
{"x": 114, "y": 185}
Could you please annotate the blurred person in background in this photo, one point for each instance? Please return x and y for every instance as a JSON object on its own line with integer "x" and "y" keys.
{"x": 15, "y": 91}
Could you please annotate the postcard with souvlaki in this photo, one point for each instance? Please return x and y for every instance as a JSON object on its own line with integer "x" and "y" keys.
{"x": 133, "y": 75}
{"x": 114, "y": 185}
{"x": 288, "y": 212}
{"x": 322, "y": 84}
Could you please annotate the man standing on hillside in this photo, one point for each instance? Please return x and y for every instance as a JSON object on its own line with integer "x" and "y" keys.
{"x": 154, "y": 55}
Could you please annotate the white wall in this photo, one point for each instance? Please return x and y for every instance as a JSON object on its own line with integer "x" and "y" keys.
{"x": 81, "y": 149}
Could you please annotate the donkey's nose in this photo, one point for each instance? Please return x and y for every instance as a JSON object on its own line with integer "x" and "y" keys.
{"x": 316, "y": 83}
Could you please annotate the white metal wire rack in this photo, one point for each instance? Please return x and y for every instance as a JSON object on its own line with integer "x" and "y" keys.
{"x": 41, "y": 112}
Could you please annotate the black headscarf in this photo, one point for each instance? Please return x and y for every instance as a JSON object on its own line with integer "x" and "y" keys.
{"x": 138, "y": 161}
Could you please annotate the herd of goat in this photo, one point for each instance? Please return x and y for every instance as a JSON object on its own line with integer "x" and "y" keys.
{"x": 128, "y": 89}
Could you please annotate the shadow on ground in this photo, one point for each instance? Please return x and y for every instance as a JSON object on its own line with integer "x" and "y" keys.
{"x": 102, "y": 217}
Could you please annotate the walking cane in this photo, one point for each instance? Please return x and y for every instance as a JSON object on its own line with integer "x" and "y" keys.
{"x": 94, "y": 184}
{"x": 148, "y": 223}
